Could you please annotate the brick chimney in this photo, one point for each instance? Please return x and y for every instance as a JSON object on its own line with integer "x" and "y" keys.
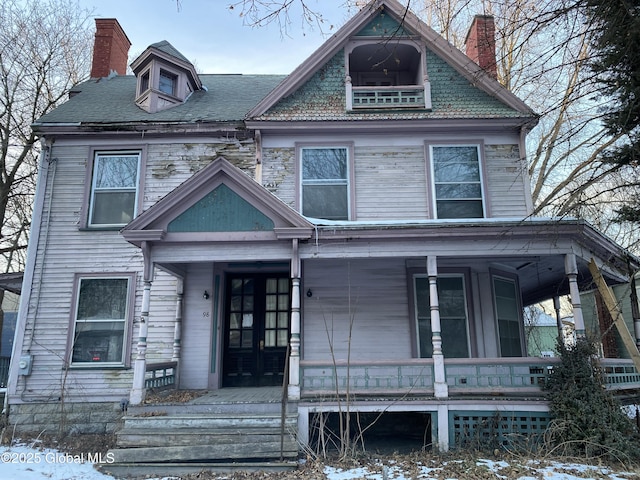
{"x": 110, "y": 50}
{"x": 481, "y": 43}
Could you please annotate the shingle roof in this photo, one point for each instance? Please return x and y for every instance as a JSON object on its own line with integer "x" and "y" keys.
{"x": 169, "y": 49}
{"x": 227, "y": 98}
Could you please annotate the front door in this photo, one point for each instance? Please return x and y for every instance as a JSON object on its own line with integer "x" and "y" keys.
{"x": 257, "y": 316}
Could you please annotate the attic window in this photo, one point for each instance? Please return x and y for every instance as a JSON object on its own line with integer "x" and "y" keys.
{"x": 387, "y": 75}
{"x": 144, "y": 82}
{"x": 168, "y": 82}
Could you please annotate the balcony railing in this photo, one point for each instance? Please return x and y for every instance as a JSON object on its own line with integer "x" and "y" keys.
{"x": 388, "y": 97}
{"x": 463, "y": 376}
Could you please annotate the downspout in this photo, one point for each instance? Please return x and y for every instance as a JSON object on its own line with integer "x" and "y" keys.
{"x": 30, "y": 266}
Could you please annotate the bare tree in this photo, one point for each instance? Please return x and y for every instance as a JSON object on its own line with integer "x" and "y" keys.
{"x": 45, "y": 49}
{"x": 543, "y": 48}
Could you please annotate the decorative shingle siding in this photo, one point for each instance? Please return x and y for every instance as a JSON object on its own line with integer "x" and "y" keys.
{"x": 383, "y": 25}
{"x": 322, "y": 98}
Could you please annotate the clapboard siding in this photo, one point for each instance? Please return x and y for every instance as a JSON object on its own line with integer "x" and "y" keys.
{"x": 170, "y": 164}
{"x": 374, "y": 291}
{"x": 390, "y": 183}
{"x": 506, "y": 186}
{"x": 279, "y": 173}
{"x": 196, "y": 327}
{"x": 63, "y": 252}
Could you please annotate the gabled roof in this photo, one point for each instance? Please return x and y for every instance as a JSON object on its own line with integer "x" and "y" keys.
{"x": 168, "y": 54}
{"x": 195, "y": 212}
{"x": 435, "y": 43}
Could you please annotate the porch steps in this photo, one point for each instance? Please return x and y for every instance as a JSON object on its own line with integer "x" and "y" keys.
{"x": 181, "y": 438}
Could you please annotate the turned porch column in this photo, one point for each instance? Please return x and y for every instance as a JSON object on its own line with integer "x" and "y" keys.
{"x": 440, "y": 383}
{"x": 571, "y": 269}
{"x": 294, "y": 343}
{"x": 138, "y": 390}
{"x": 177, "y": 329}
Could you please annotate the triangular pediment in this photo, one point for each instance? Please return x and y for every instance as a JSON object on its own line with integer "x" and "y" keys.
{"x": 321, "y": 78}
{"x": 219, "y": 203}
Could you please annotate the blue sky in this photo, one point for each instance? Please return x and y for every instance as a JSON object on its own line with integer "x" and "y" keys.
{"x": 214, "y": 38}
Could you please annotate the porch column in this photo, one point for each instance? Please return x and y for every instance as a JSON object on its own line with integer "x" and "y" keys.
{"x": 440, "y": 384}
{"x": 177, "y": 329}
{"x": 571, "y": 269}
{"x": 140, "y": 366}
{"x": 556, "y": 307}
{"x": 294, "y": 343}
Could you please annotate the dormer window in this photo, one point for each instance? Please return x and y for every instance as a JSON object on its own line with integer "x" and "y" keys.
{"x": 165, "y": 78}
{"x": 386, "y": 74}
{"x": 168, "y": 83}
{"x": 144, "y": 83}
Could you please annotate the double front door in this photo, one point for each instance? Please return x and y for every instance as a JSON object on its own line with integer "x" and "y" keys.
{"x": 257, "y": 313}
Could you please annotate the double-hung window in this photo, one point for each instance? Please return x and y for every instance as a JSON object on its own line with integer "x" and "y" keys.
{"x": 508, "y": 314}
{"x": 457, "y": 181}
{"x": 101, "y": 318}
{"x": 325, "y": 182}
{"x": 453, "y": 316}
{"x": 114, "y": 188}
{"x": 168, "y": 83}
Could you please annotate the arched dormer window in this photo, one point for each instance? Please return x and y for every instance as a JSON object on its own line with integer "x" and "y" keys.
{"x": 386, "y": 74}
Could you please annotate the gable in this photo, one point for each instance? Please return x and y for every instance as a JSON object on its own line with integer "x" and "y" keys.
{"x": 347, "y": 79}
{"x": 323, "y": 97}
{"x": 221, "y": 210}
{"x": 219, "y": 203}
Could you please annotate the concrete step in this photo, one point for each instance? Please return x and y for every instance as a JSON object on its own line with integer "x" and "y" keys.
{"x": 213, "y": 452}
{"x": 135, "y": 438}
{"x": 145, "y": 470}
{"x": 206, "y": 421}
{"x": 221, "y": 408}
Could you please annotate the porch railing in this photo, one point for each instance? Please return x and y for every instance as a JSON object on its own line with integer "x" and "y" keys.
{"x": 160, "y": 375}
{"x": 463, "y": 375}
{"x": 326, "y": 378}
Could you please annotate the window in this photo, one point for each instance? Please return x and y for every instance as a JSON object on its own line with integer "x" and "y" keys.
{"x": 144, "y": 83}
{"x": 508, "y": 316}
{"x": 453, "y": 316}
{"x": 114, "y": 188}
{"x": 100, "y": 320}
{"x": 168, "y": 82}
{"x": 457, "y": 181}
{"x": 325, "y": 182}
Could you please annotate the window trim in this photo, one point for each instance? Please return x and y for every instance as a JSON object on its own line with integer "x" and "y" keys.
{"x": 502, "y": 275}
{"x": 479, "y": 144}
{"x": 349, "y": 146}
{"x": 85, "y": 210}
{"x": 128, "y": 320}
{"x": 414, "y": 272}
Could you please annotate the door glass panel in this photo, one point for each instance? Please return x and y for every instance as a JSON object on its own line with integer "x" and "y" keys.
{"x": 271, "y": 302}
{"x": 283, "y": 302}
{"x": 234, "y": 321}
{"x": 247, "y": 320}
{"x": 270, "y": 338}
{"x": 270, "y": 320}
{"x": 272, "y": 285}
{"x": 283, "y": 319}
{"x": 283, "y": 285}
{"x": 247, "y": 338}
{"x": 282, "y": 338}
{"x": 236, "y": 286}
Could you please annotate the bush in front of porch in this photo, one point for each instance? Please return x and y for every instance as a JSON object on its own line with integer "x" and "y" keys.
{"x": 587, "y": 419}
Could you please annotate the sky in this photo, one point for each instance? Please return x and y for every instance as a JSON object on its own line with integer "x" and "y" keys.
{"x": 214, "y": 38}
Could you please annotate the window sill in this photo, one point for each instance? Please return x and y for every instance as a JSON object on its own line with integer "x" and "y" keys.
{"x": 101, "y": 229}
{"x": 97, "y": 367}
